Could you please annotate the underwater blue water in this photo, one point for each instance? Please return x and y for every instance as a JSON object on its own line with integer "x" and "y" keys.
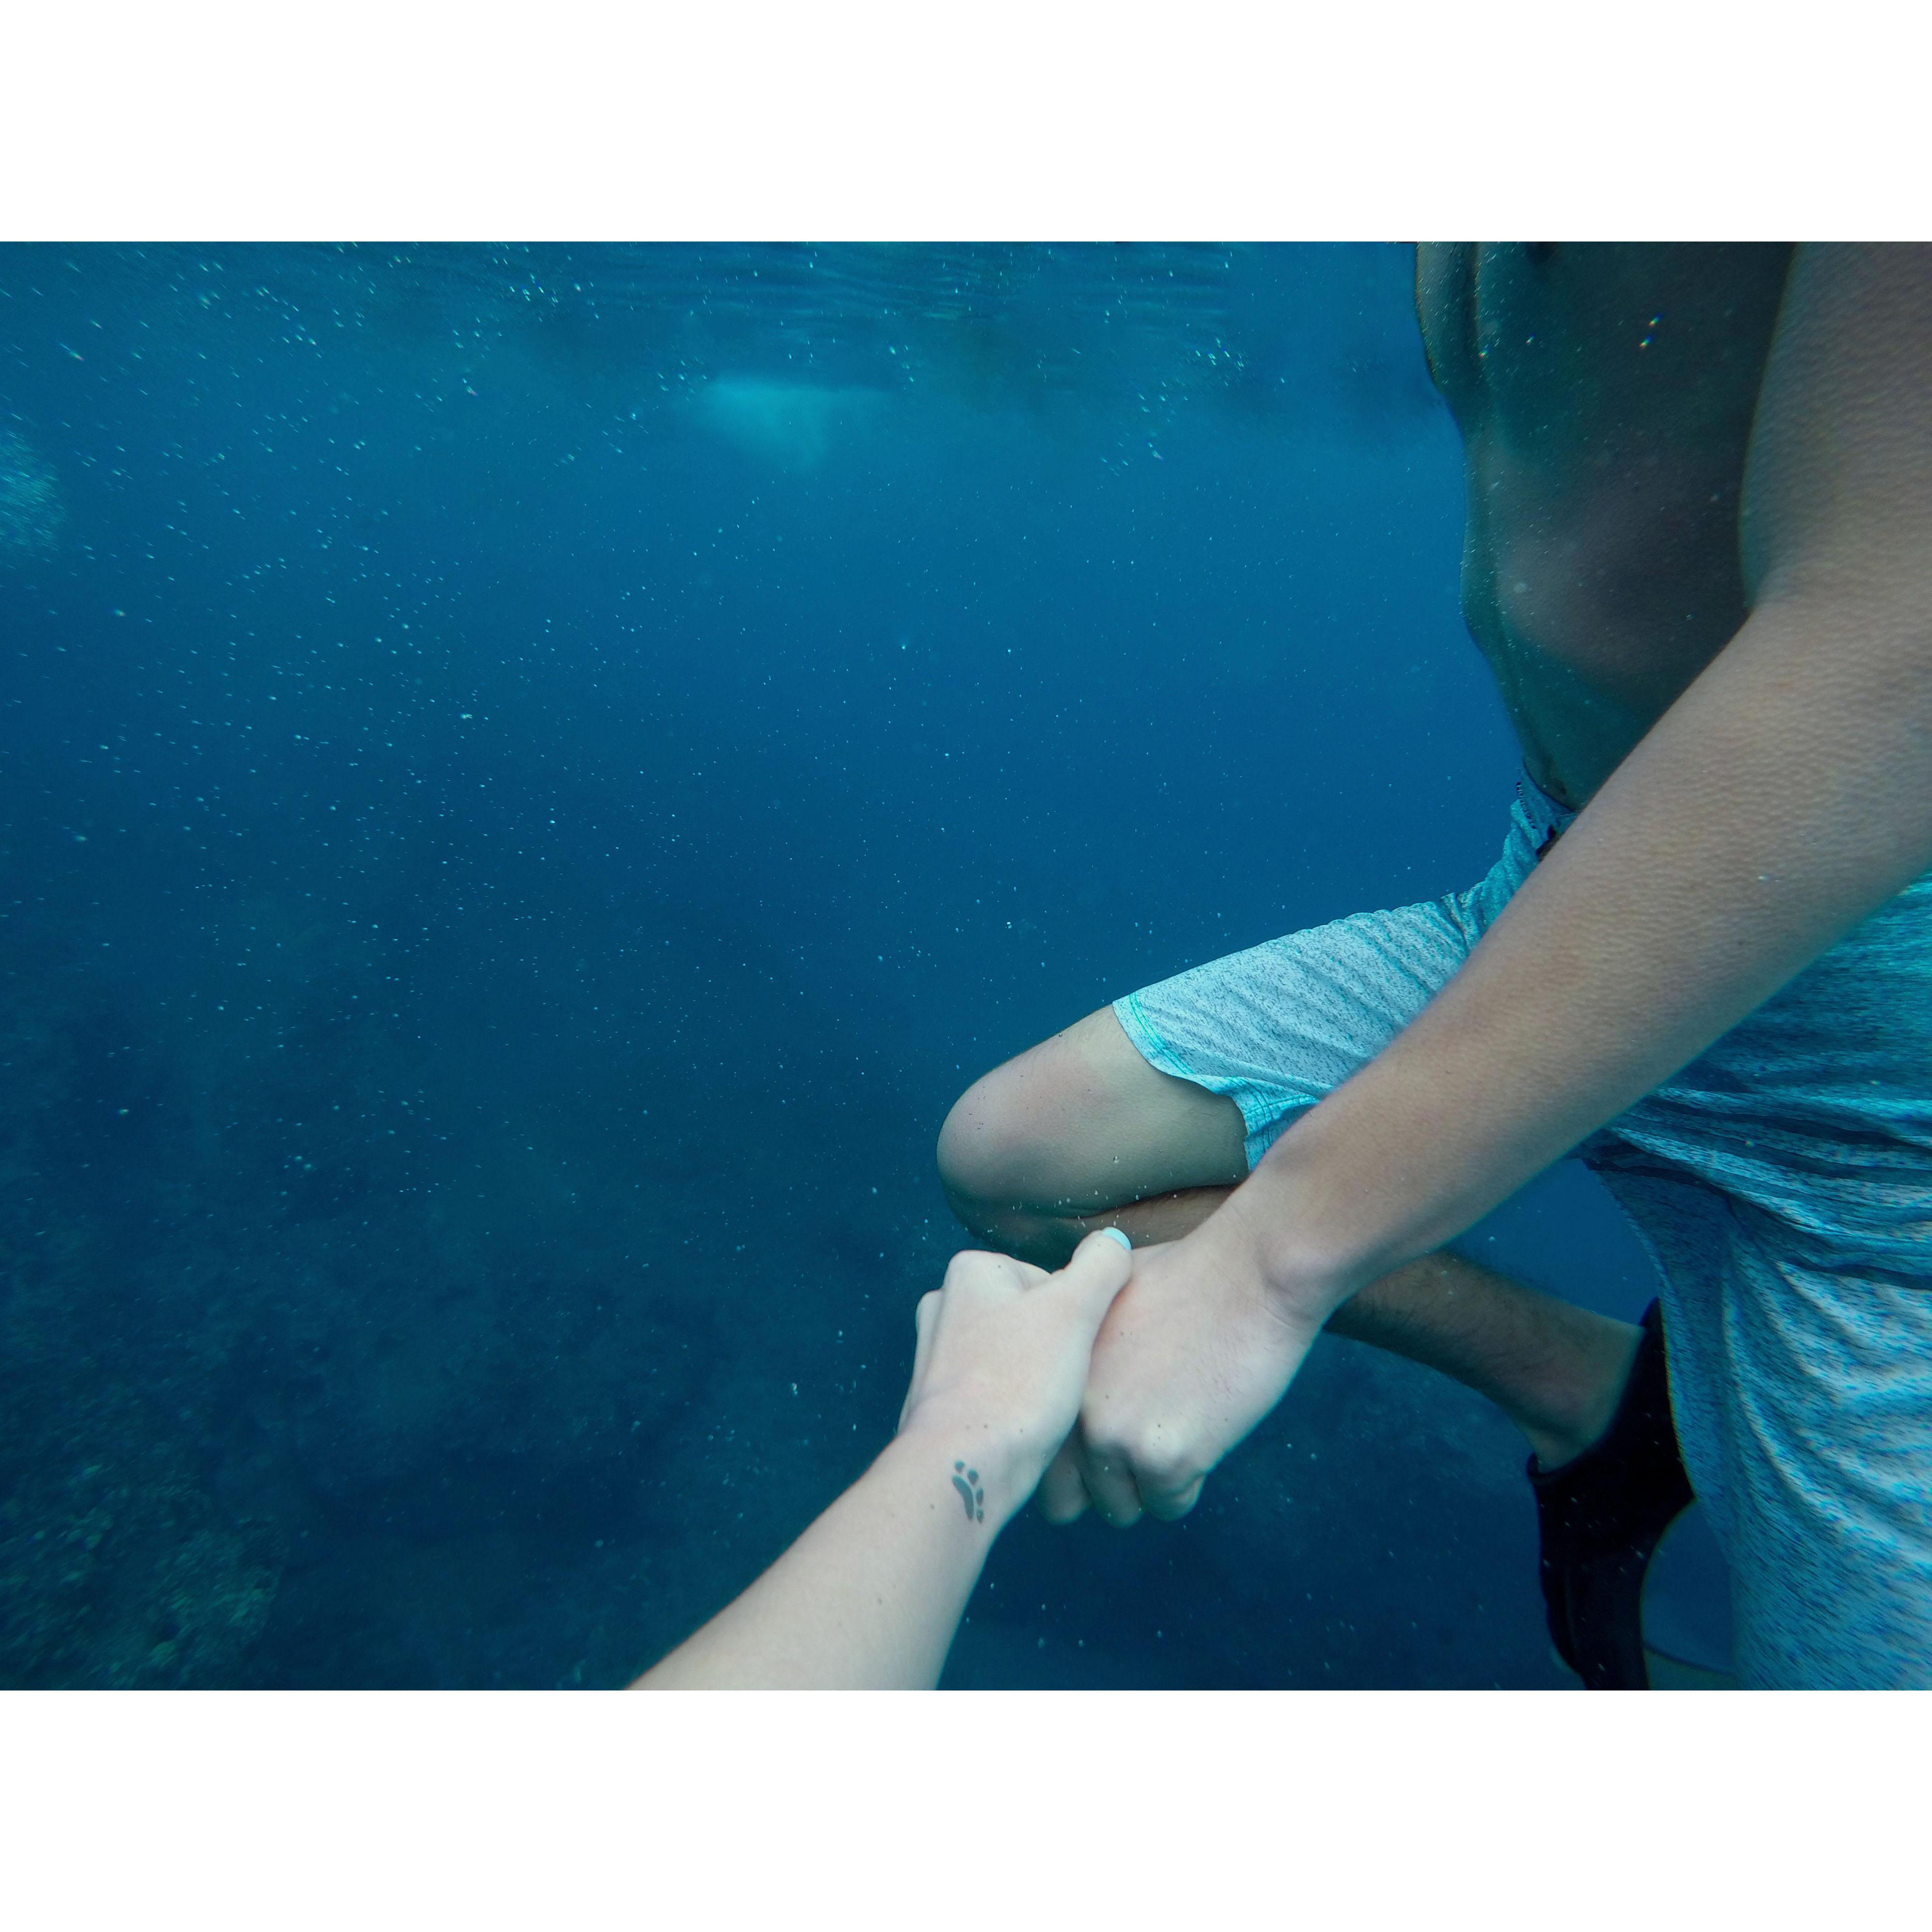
{"x": 532, "y": 777}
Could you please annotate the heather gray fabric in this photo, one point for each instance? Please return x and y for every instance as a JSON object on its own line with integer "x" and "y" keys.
{"x": 1782, "y": 1183}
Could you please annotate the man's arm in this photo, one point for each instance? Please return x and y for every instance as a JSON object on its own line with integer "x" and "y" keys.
{"x": 1785, "y": 796}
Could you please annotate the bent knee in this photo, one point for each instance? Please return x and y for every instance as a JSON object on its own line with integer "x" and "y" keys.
{"x": 998, "y": 1171}
{"x": 1082, "y": 1123}
{"x": 989, "y": 1151}
{"x": 1044, "y": 1133}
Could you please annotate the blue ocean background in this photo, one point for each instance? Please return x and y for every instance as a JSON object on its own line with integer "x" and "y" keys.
{"x": 530, "y": 778}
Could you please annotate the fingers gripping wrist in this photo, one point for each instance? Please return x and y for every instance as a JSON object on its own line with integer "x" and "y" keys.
{"x": 1003, "y": 1351}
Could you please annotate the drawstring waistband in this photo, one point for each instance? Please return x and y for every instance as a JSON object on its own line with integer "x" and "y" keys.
{"x": 1544, "y": 818}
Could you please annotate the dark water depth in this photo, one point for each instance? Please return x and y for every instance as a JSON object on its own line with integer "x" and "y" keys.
{"x": 529, "y": 780}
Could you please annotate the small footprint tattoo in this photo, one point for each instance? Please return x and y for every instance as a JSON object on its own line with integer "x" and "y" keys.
{"x": 967, "y": 1482}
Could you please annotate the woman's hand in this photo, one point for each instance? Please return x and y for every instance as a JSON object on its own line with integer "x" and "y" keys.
{"x": 870, "y": 1594}
{"x": 1000, "y": 1365}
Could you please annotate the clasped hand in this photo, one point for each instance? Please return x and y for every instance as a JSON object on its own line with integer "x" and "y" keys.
{"x": 1195, "y": 1351}
{"x": 1124, "y": 1397}
{"x": 1000, "y": 1363}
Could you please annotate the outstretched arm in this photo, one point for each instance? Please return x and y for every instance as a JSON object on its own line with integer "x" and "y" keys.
{"x": 870, "y": 1595}
{"x": 1785, "y": 796}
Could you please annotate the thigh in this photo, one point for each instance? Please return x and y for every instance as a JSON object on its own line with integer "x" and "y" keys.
{"x": 1185, "y": 1083}
{"x": 1081, "y": 1122}
{"x": 1276, "y": 1028}
{"x": 1803, "y": 1403}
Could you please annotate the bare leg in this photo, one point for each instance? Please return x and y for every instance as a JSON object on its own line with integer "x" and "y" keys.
{"x": 1554, "y": 1370}
{"x": 1081, "y": 1133}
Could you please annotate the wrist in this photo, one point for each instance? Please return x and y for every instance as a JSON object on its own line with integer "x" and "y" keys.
{"x": 1272, "y": 1233}
{"x": 998, "y": 1469}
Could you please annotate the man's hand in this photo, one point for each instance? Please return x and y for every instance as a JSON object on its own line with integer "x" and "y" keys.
{"x": 1194, "y": 1352}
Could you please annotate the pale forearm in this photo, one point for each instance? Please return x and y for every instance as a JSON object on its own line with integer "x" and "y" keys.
{"x": 1787, "y": 795}
{"x": 868, "y": 1598}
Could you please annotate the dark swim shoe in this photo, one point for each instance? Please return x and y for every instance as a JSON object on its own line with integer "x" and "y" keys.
{"x": 1600, "y": 1517}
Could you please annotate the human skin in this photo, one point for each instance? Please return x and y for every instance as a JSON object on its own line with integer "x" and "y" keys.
{"x": 1606, "y": 396}
{"x": 870, "y": 1596}
{"x": 1102, "y": 1124}
{"x": 1784, "y": 792}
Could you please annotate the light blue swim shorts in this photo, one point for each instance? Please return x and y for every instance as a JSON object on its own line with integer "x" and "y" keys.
{"x": 1783, "y": 1184}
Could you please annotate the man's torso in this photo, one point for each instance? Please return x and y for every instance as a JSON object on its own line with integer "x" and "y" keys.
{"x": 1605, "y": 394}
